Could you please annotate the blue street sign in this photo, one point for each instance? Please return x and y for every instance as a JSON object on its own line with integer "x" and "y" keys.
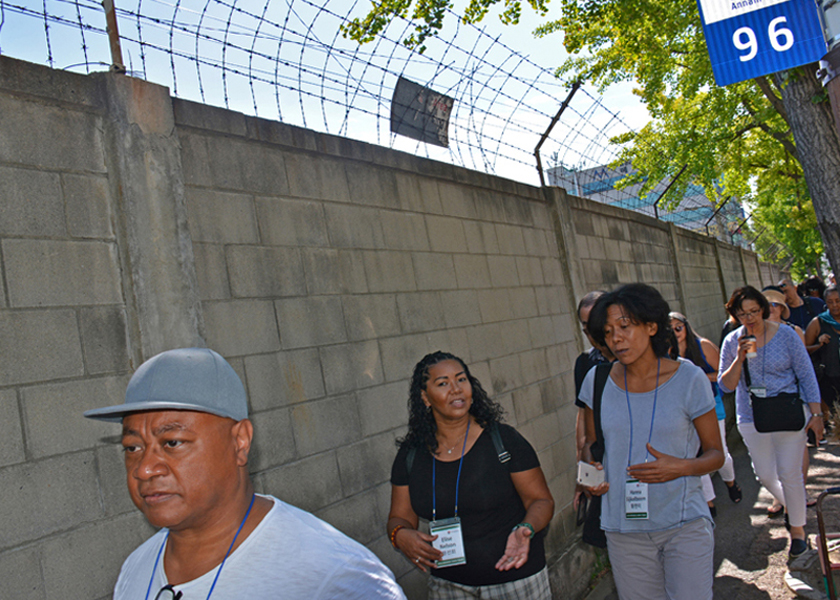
{"x": 749, "y": 38}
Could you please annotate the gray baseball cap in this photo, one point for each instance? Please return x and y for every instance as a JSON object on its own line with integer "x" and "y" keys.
{"x": 196, "y": 379}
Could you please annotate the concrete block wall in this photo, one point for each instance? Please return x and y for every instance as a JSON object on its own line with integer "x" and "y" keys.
{"x": 703, "y": 300}
{"x": 617, "y": 246}
{"x": 731, "y": 268}
{"x": 66, "y": 523}
{"x": 322, "y": 268}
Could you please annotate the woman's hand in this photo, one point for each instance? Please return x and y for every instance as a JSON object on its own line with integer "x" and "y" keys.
{"x": 824, "y": 339}
{"x": 417, "y": 547}
{"x": 816, "y": 425}
{"x": 744, "y": 345}
{"x": 601, "y": 488}
{"x": 516, "y": 550}
{"x": 664, "y": 468}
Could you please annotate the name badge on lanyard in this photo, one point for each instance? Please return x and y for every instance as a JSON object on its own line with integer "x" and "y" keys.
{"x": 450, "y": 542}
{"x": 636, "y": 500}
{"x": 759, "y": 391}
{"x": 636, "y": 492}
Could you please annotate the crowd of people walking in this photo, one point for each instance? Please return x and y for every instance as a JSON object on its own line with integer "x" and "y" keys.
{"x": 651, "y": 429}
{"x": 653, "y": 420}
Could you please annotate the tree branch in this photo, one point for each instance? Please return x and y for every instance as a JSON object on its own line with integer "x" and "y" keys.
{"x": 782, "y": 138}
{"x": 775, "y": 100}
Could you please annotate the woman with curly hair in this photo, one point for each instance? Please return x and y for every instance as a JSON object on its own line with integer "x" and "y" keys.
{"x": 656, "y": 414}
{"x": 479, "y": 484}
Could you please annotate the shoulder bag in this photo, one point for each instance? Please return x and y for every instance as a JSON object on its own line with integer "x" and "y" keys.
{"x": 592, "y": 532}
{"x": 782, "y": 412}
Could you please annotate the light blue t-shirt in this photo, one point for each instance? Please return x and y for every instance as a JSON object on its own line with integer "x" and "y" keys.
{"x": 680, "y": 400}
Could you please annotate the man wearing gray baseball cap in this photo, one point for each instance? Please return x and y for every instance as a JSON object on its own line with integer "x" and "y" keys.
{"x": 187, "y": 436}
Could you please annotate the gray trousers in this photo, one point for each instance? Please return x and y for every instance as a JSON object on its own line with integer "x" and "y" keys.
{"x": 676, "y": 564}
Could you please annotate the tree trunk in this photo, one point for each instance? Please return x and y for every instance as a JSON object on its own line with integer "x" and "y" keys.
{"x": 818, "y": 148}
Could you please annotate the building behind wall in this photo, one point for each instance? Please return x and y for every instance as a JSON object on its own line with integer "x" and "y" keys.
{"x": 694, "y": 211}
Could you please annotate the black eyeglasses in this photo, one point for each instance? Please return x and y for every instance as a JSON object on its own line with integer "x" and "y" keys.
{"x": 678, "y": 328}
{"x": 167, "y": 592}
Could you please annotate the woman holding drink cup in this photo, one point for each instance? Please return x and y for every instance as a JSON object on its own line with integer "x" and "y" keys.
{"x": 766, "y": 365}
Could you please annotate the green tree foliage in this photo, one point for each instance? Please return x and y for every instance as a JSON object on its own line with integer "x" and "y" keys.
{"x": 736, "y": 141}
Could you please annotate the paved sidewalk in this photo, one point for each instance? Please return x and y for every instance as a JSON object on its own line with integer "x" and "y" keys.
{"x": 751, "y": 549}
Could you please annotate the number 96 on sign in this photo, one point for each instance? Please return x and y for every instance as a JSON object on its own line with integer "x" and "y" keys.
{"x": 750, "y": 38}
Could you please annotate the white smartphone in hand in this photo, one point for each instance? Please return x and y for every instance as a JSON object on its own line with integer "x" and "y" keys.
{"x": 589, "y": 475}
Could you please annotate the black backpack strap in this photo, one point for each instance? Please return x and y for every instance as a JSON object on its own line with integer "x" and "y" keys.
{"x": 504, "y": 455}
{"x": 409, "y": 459}
{"x": 602, "y": 373}
{"x": 498, "y": 444}
{"x": 747, "y": 373}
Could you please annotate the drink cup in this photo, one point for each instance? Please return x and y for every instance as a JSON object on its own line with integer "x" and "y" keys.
{"x": 752, "y": 347}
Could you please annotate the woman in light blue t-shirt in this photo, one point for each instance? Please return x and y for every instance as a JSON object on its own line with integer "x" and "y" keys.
{"x": 656, "y": 414}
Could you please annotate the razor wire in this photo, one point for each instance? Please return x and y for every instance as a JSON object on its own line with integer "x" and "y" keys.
{"x": 286, "y": 60}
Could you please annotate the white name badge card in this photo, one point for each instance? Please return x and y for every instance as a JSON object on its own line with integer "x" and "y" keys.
{"x": 449, "y": 541}
{"x": 758, "y": 391}
{"x": 636, "y": 500}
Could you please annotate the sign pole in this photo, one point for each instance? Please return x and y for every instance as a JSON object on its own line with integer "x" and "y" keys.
{"x": 829, "y": 73}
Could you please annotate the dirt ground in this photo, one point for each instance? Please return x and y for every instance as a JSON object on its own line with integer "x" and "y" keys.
{"x": 750, "y": 548}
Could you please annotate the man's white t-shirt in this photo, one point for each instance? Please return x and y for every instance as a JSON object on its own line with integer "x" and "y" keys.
{"x": 290, "y": 555}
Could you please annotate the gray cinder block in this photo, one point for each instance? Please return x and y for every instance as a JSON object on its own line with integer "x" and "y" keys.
{"x": 30, "y": 203}
{"x": 286, "y": 222}
{"x": 54, "y": 424}
{"x": 311, "y": 483}
{"x": 330, "y": 271}
{"x": 34, "y": 496}
{"x": 50, "y": 137}
{"x": 310, "y": 321}
{"x": 39, "y": 346}
{"x": 221, "y": 217}
{"x": 97, "y": 550}
{"x": 11, "y": 431}
{"x": 389, "y": 271}
{"x": 51, "y": 273}
{"x": 383, "y": 407}
{"x": 283, "y": 378}
{"x": 104, "y": 341}
{"x": 328, "y": 424}
{"x": 88, "y": 206}
{"x": 351, "y": 366}
{"x": 260, "y": 272}
{"x": 274, "y": 443}
{"x": 370, "y": 316}
{"x": 241, "y": 327}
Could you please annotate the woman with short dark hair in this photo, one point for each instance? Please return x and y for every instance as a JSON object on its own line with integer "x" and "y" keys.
{"x": 450, "y": 471}
{"x": 656, "y": 414}
{"x": 779, "y": 365}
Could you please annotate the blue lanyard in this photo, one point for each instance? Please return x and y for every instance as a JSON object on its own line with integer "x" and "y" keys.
{"x": 457, "y": 482}
{"x": 652, "y": 414}
{"x": 216, "y": 578}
